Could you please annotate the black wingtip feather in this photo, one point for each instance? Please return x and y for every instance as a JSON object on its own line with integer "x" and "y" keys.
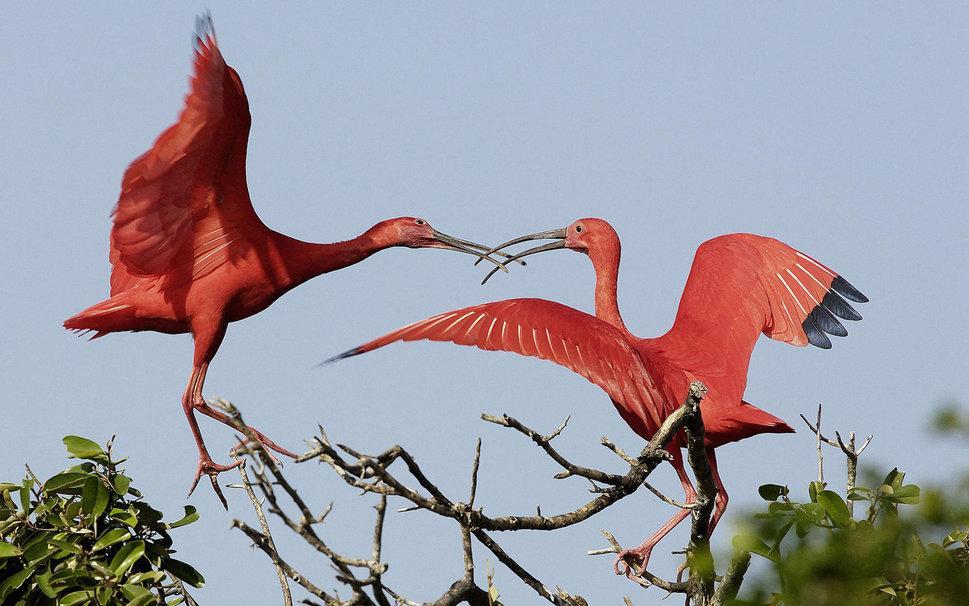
{"x": 347, "y": 354}
{"x": 833, "y": 302}
{"x": 814, "y": 334}
{"x": 826, "y": 321}
{"x": 848, "y": 291}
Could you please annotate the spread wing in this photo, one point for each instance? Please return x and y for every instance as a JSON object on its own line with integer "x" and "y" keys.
{"x": 185, "y": 201}
{"x": 742, "y": 285}
{"x": 551, "y": 331}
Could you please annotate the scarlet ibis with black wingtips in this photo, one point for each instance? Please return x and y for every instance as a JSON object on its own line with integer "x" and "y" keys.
{"x": 740, "y": 285}
{"x": 188, "y": 252}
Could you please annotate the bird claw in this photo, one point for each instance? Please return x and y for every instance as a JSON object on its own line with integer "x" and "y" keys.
{"x": 632, "y": 562}
{"x": 212, "y": 469}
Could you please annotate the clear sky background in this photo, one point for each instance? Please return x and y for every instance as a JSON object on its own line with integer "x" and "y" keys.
{"x": 840, "y": 130}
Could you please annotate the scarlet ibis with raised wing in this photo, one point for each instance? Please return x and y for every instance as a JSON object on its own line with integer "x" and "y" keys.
{"x": 740, "y": 285}
{"x": 188, "y": 252}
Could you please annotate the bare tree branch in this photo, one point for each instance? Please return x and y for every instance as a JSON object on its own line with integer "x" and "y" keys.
{"x": 849, "y": 451}
{"x": 260, "y": 541}
{"x": 377, "y": 474}
{"x": 257, "y": 506}
{"x": 732, "y": 578}
{"x": 545, "y": 443}
{"x": 699, "y": 558}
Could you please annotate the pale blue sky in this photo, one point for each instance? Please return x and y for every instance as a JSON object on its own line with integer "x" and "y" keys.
{"x": 840, "y": 130}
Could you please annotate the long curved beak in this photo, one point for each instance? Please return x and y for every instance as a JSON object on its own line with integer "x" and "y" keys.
{"x": 556, "y": 234}
{"x": 487, "y": 250}
{"x": 447, "y": 242}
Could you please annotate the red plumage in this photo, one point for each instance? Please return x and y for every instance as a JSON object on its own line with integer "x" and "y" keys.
{"x": 740, "y": 286}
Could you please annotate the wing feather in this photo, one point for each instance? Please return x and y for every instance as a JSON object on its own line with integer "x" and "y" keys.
{"x": 549, "y": 331}
{"x": 742, "y": 285}
{"x": 190, "y": 186}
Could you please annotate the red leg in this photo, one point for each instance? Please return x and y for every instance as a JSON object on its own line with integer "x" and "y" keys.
{"x": 207, "y": 342}
{"x": 720, "y": 503}
{"x": 193, "y": 394}
{"x": 635, "y": 560}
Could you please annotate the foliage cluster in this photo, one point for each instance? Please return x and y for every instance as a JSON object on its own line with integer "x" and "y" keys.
{"x": 86, "y": 537}
{"x": 820, "y": 552}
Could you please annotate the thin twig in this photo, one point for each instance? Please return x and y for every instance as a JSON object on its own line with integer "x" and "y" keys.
{"x": 474, "y": 474}
{"x": 260, "y": 541}
{"x": 666, "y": 499}
{"x": 849, "y": 451}
{"x": 283, "y": 583}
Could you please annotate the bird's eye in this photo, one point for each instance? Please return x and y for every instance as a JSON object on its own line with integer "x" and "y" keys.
{"x": 420, "y": 221}
{"x": 578, "y": 229}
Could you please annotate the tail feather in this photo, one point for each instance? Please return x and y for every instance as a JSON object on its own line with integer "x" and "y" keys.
{"x": 83, "y": 332}
{"x": 744, "y": 421}
{"x": 762, "y": 420}
{"x": 101, "y": 318}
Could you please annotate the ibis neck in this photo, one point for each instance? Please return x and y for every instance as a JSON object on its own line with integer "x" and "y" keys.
{"x": 607, "y": 279}
{"x": 306, "y": 260}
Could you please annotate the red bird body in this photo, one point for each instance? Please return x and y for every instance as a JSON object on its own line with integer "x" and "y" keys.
{"x": 740, "y": 286}
{"x": 188, "y": 252}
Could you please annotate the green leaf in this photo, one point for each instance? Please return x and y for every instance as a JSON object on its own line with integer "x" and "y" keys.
{"x": 780, "y": 508}
{"x": 126, "y": 557}
{"x": 76, "y": 597}
{"x": 147, "y": 514}
{"x": 184, "y": 572}
{"x": 14, "y": 581}
{"x": 43, "y": 582}
{"x": 66, "y": 546}
{"x": 813, "y": 489}
{"x": 89, "y": 493}
{"x": 894, "y": 478}
{"x": 191, "y": 515}
{"x": 121, "y": 484}
{"x": 110, "y": 537}
{"x": 812, "y": 512}
{"x": 37, "y": 552}
{"x": 82, "y": 448}
{"x": 124, "y": 516}
{"x": 8, "y": 551}
{"x": 155, "y": 576}
{"x": 66, "y": 482}
{"x": 908, "y": 494}
{"x": 772, "y": 492}
{"x": 71, "y": 578}
{"x": 956, "y": 536}
{"x": 143, "y": 600}
{"x": 835, "y": 507}
{"x": 134, "y": 591}
{"x": 25, "y": 495}
{"x": 94, "y": 497}
{"x": 72, "y": 510}
{"x": 747, "y": 541}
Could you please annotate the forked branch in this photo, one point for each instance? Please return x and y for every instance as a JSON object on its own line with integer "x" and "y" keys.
{"x": 365, "y": 577}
